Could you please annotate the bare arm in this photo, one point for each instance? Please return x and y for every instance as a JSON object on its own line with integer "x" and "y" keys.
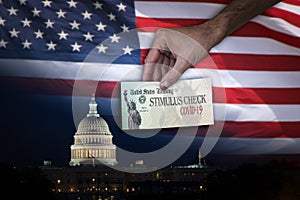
{"x": 232, "y": 17}
{"x": 175, "y": 50}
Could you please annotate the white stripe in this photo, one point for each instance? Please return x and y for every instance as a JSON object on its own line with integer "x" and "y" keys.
{"x": 254, "y": 45}
{"x": 288, "y": 7}
{"x": 239, "y": 45}
{"x": 187, "y": 10}
{"x": 257, "y": 112}
{"x": 121, "y": 72}
{"x": 252, "y": 146}
{"x": 190, "y": 10}
{"x": 277, "y": 24}
{"x": 223, "y": 112}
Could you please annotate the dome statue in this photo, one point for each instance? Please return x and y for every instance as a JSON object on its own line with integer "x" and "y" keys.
{"x": 93, "y": 141}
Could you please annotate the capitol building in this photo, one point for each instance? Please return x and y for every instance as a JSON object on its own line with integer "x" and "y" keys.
{"x": 93, "y": 141}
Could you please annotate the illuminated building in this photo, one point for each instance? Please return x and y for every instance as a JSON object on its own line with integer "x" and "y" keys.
{"x": 93, "y": 141}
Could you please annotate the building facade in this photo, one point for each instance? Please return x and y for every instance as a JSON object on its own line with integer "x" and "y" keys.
{"x": 93, "y": 144}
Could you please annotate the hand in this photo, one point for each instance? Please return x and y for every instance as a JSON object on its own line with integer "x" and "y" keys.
{"x": 174, "y": 51}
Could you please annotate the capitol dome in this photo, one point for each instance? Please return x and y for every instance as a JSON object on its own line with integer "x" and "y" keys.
{"x": 93, "y": 140}
{"x": 93, "y": 124}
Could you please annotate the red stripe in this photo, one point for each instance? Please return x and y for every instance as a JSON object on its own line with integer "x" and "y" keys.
{"x": 142, "y": 22}
{"x": 294, "y": 2}
{"x": 246, "y": 62}
{"x": 251, "y": 29}
{"x": 108, "y": 89}
{"x": 257, "y": 95}
{"x": 261, "y": 129}
{"x": 251, "y": 129}
{"x": 290, "y": 17}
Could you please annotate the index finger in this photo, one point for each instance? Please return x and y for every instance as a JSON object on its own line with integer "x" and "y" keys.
{"x": 151, "y": 59}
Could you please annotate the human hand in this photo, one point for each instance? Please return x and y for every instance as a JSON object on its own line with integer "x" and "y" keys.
{"x": 173, "y": 52}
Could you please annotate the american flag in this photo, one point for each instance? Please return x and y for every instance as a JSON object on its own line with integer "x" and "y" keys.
{"x": 43, "y": 45}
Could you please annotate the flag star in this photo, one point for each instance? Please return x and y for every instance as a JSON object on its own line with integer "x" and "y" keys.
{"x": 39, "y": 34}
{"x": 125, "y": 28}
{"x": 121, "y": 7}
{"x": 74, "y": 25}
{"x": 88, "y": 36}
{"x": 14, "y": 33}
{"x": 49, "y": 23}
{"x": 12, "y": 11}
{"x": 86, "y": 15}
{"x": 63, "y": 35}
{"x": 98, "y": 5}
{"x": 36, "y": 12}
{"x": 2, "y": 21}
{"x": 114, "y": 38}
{"x": 101, "y": 48}
{"x": 60, "y": 14}
{"x": 76, "y": 47}
{"x": 26, "y": 44}
{"x": 47, "y": 3}
{"x": 101, "y": 26}
{"x": 127, "y": 50}
{"x": 3, "y": 43}
{"x": 51, "y": 46}
{"x": 22, "y": 2}
{"x": 72, "y": 4}
{"x": 111, "y": 17}
{"x": 26, "y": 22}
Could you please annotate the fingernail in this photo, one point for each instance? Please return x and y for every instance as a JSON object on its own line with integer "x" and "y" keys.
{"x": 164, "y": 84}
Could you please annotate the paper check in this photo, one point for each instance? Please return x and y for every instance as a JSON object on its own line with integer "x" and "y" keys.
{"x": 186, "y": 103}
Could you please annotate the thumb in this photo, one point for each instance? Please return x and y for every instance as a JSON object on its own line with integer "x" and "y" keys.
{"x": 173, "y": 75}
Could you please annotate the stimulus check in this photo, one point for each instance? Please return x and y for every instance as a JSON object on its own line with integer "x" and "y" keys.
{"x": 186, "y": 103}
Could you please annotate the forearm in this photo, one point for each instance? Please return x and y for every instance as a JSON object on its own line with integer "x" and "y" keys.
{"x": 233, "y": 16}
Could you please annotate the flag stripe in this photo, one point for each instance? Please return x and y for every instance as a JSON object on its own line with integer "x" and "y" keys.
{"x": 193, "y": 9}
{"x": 251, "y": 29}
{"x": 260, "y": 26}
{"x": 290, "y": 17}
{"x": 255, "y": 146}
{"x": 227, "y": 61}
{"x": 187, "y": 10}
{"x": 287, "y": 7}
{"x": 119, "y": 72}
{"x": 207, "y": 10}
{"x": 293, "y": 2}
{"x": 109, "y": 89}
{"x": 239, "y": 45}
{"x": 234, "y": 112}
{"x": 250, "y": 129}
